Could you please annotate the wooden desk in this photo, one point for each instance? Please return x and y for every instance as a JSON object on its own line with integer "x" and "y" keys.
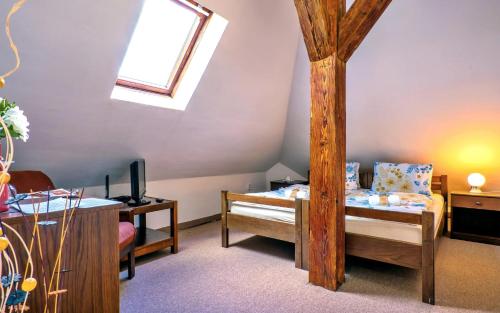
{"x": 90, "y": 260}
{"x": 150, "y": 240}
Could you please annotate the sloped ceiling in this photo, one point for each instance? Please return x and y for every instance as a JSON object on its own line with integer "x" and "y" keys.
{"x": 422, "y": 87}
{"x": 71, "y": 52}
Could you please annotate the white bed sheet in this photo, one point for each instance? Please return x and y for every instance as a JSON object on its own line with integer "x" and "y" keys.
{"x": 405, "y": 232}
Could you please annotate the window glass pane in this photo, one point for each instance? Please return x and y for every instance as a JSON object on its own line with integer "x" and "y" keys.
{"x": 162, "y": 34}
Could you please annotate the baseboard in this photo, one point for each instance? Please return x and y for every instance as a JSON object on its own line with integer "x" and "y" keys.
{"x": 193, "y": 223}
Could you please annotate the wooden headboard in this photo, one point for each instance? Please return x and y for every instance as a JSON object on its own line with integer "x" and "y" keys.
{"x": 439, "y": 183}
{"x": 366, "y": 180}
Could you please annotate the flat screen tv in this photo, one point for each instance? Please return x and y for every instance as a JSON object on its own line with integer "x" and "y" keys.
{"x": 138, "y": 180}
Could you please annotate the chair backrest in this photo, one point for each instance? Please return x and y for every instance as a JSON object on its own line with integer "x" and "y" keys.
{"x": 27, "y": 181}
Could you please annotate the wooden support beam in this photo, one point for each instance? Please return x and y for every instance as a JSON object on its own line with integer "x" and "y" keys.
{"x": 356, "y": 24}
{"x": 340, "y": 163}
{"x": 318, "y": 27}
{"x": 327, "y": 181}
{"x": 319, "y": 21}
{"x": 329, "y": 41}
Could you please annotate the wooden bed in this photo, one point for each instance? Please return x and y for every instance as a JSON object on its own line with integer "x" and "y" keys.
{"x": 415, "y": 256}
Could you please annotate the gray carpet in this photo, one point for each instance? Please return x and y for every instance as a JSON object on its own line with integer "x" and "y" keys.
{"x": 257, "y": 274}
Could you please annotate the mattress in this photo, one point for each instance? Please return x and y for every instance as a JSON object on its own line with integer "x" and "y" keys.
{"x": 405, "y": 232}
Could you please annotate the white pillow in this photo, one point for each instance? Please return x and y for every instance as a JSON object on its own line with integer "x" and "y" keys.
{"x": 352, "y": 175}
{"x": 403, "y": 177}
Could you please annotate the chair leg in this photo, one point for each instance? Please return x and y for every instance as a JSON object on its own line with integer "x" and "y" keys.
{"x": 131, "y": 263}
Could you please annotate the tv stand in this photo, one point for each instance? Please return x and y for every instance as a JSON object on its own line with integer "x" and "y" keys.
{"x": 150, "y": 240}
{"x": 135, "y": 203}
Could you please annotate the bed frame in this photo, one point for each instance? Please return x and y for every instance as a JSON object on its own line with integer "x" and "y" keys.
{"x": 420, "y": 257}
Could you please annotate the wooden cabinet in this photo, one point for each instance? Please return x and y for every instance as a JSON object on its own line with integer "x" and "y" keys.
{"x": 476, "y": 217}
{"x": 277, "y": 184}
{"x": 90, "y": 259}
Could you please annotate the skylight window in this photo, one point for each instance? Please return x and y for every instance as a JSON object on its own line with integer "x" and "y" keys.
{"x": 170, "y": 49}
{"x": 162, "y": 44}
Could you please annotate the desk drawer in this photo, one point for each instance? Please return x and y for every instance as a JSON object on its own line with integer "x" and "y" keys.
{"x": 473, "y": 202}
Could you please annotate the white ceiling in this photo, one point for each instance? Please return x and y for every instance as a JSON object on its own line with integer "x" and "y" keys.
{"x": 71, "y": 52}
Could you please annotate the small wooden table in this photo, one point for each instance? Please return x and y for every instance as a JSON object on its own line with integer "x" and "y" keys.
{"x": 475, "y": 216}
{"x": 150, "y": 240}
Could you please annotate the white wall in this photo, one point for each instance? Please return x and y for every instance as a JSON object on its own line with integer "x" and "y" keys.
{"x": 197, "y": 197}
{"x": 280, "y": 171}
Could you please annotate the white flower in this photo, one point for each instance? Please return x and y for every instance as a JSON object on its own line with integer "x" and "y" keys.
{"x": 16, "y": 118}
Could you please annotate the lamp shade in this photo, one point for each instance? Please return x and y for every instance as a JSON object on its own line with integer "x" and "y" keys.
{"x": 476, "y": 180}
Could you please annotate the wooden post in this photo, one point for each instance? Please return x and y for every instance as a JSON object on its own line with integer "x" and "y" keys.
{"x": 305, "y": 234}
{"x": 174, "y": 228}
{"x": 428, "y": 257}
{"x": 330, "y": 40}
{"x": 446, "y": 196}
{"x": 225, "y": 232}
{"x": 357, "y": 23}
{"x": 320, "y": 22}
{"x": 327, "y": 212}
{"x": 298, "y": 233}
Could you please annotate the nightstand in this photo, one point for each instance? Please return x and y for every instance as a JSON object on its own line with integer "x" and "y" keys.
{"x": 475, "y": 216}
{"x": 281, "y": 183}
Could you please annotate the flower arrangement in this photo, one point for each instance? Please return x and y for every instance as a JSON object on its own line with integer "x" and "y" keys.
{"x": 15, "y": 120}
{"x": 14, "y": 287}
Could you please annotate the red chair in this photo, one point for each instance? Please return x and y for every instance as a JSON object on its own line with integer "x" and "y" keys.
{"x": 28, "y": 181}
{"x": 127, "y": 245}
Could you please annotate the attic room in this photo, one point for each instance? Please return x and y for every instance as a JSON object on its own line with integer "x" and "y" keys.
{"x": 250, "y": 156}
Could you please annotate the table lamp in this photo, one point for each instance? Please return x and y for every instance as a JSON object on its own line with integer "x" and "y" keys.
{"x": 476, "y": 180}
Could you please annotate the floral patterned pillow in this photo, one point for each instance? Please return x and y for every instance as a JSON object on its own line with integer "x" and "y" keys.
{"x": 403, "y": 177}
{"x": 352, "y": 175}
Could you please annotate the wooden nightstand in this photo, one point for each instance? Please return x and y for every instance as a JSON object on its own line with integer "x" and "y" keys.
{"x": 475, "y": 216}
{"x": 277, "y": 184}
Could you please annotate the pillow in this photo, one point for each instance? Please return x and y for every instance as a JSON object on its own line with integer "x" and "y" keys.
{"x": 296, "y": 191}
{"x": 403, "y": 177}
{"x": 351, "y": 175}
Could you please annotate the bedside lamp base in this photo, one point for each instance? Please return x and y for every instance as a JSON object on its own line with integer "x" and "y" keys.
{"x": 475, "y": 189}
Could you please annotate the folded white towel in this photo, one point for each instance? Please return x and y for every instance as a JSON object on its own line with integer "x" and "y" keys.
{"x": 374, "y": 200}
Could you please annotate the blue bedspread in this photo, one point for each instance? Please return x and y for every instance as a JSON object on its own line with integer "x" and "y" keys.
{"x": 409, "y": 202}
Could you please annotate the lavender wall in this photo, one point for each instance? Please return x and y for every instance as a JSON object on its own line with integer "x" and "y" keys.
{"x": 197, "y": 197}
{"x": 71, "y": 52}
{"x": 423, "y": 87}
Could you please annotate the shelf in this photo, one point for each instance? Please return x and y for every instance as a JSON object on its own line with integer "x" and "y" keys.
{"x": 154, "y": 240}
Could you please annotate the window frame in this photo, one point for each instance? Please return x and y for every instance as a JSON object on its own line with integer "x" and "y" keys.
{"x": 204, "y": 15}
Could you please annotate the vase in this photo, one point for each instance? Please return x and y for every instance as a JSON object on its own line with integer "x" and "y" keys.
{"x": 4, "y": 190}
